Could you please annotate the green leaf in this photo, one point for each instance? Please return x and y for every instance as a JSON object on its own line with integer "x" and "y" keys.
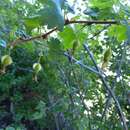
{"x": 32, "y": 22}
{"x": 68, "y": 36}
{"x": 51, "y": 14}
{"x": 102, "y": 3}
{"x": 40, "y": 111}
{"x": 119, "y": 31}
{"x": 55, "y": 49}
{"x": 29, "y": 46}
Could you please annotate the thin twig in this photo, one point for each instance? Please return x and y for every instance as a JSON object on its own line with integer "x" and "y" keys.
{"x": 81, "y": 64}
{"x": 90, "y": 22}
{"x": 118, "y": 71}
{"x": 107, "y": 87}
{"x": 42, "y": 36}
{"x": 98, "y": 32}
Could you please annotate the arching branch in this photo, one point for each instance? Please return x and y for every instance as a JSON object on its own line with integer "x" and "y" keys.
{"x": 67, "y": 22}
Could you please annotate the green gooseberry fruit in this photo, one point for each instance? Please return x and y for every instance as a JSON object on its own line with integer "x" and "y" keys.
{"x": 6, "y": 60}
{"x": 37, "y": 67}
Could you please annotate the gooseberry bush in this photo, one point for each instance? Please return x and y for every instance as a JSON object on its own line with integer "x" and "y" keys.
{"x": 64, "y": 65}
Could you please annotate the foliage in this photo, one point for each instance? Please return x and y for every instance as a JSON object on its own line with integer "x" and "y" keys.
{"x": 71, "y": 91}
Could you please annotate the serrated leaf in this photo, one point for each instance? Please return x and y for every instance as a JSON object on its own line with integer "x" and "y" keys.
{"x": 55, "y": 47}
{"x": 50, "y": 15}
{"x": 54, "y": 44}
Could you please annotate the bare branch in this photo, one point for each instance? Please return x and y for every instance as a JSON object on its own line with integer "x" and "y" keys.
{"x": 90, "y": 22}
{"x": 42, "y": 36}
{"x": 67, "y": 22}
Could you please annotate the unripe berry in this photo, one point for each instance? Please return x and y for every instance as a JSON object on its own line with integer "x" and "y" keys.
{"x": 37, "y": 67}
{"x": 107, "y": 54}
{"x": 6, "y": 60}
